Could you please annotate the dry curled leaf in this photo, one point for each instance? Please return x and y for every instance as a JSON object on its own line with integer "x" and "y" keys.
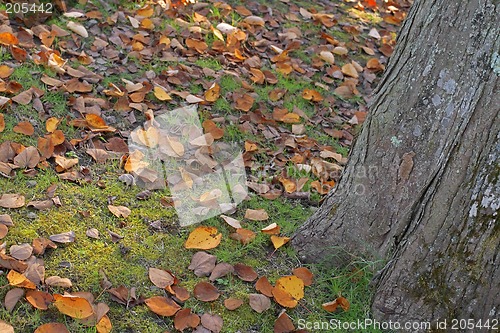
{"x": 339, "y": 301}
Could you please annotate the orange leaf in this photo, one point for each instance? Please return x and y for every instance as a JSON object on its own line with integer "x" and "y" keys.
{"x": 349, "y": 70}
{"x": 39, "y": 299}
{"x": 2, "y": 123}
{"x": 24, "y": 127}
{"x": 73, "y": 306}
{"x": 95, "y": 121}
{"x": 6, "y": 38}
{"x": 304, "y": 274}
{"x": 203, "y": 238}
{"x": 272, "y": 229}
{"x": 332, "y": 306}
{"x": 146, "y": 11}
{"x": 210, "y": 127}
{"x": 288, "y": 290}
{"x": 244, "y": 102}
{"x": 51, "y": 124}
{"x": 312, "y": 95}
{"x": 18, "y": 280}
{"x": 279, "y": 241}
{"x": 264, "y": 286}
{"x": 52, "y": 328}
{"x": 5, "y": 71}
{"x": 245, "y": 236}
{"x": 162, "y": 306}
{"x": 213, "y": 93}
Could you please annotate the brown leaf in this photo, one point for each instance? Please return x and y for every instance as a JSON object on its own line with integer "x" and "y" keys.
{"x": 28, "y": 158}
{"x": 210, "y": 127}
{"x": 206, "y": 292}
{"x": 244, "y": 236}
{"x": 185, "y": 319}
{"x": 41, "y": 205}
{"x": 3, "y": 230}
{"x": 5, "y": 72}
{"x": 244, "y": 272}
{"x": 10, "y": 263}
{"x": 64, "y": 163}
{"x": 212, "y": 94}
{"x": 21, "y": 252}
{"x": 259, "y": 302}
{"x": 161, "y": 278}
{"x": 304, "y": 274}
{"x": 232, "y": 222}
{"x": 256, "y": 214}
{"x": 202, "y": 263}
{"x": 264, "y": 286}
{"x": 203, "y": 238}
{"x": 12, "y": 297}
{"x": 99, "y": 155}
{"x": 162, "y": 306}
{"x": 283, "y": 324}
{"x": 2, "y": 122}
{"x": 11, "y": 201}
{"x": 119, "y": 211}
{"x": 272, "y": 229}
{"x": 243, "y": 102}
{"x": 350, "y": 70}
{"x": 6, "y": 220}
{"x": 65, "y": 237}
{"x": 57, "y": 281}
{"x": 180, "y": 293}
{"x": 233, "y": 303}
{"x": 40, "y": 244}
{"x": 332, "y": 306}
{"x": 39, "y": 299}
{"x": 220, "y": 270}
{"x": 211, "y": 322}
{"x": 24, "y": 98}
{"x": 73, "y": 306}
{"x": 92, "y": 233}
{"x": 52, "y": 328}
{"x": 312, "y": 95}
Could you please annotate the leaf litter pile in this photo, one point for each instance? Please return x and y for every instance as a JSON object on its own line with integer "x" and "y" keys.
{"x": 288, "y": 84}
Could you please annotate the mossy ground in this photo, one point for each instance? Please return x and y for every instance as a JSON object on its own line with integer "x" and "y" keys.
{"x": 127, "y": 261}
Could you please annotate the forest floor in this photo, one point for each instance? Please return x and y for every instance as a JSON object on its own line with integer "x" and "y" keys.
{"x": 287, "y": 81}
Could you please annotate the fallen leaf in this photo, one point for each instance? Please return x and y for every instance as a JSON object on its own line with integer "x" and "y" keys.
{"x": 77, "y": 28}
{"x": 259, "y": 302}
{"x": 348, "y": 69}
{"x": 279, "y": 241}
{"x": 73, "y": 306}
{"x": 256, "y": 214}
{"x": 104, "y": 325}
{"x": 12, "y": 297}
{"x": 39, "y": 299}
{"x": 161, "y": 94}
{"x": 40, "y": 244}
{"x": 212, "y": 322}
{"x": 210, "y": 127}
{"x": 283, "y": 324}
{"x": 5, "y": 71}
{"x": 202, "y": 263}
{"x": 272, "y": 229}
{"x": 264, "y": 286}
{"x": 119, "y": 211}
{"x": 41, "y": 205}
{"x": 203, "y": 238}
{"x": 244, "y": 236}
{"x": 2, "y": 122}
{"x": 163, "y": 306}
{"x": 180, "y": 293}
{"x": 233, "y": 303}
{"x": 24, "y": 127}
{"x": 185, "y": 319}
{"x": 21, "y": 252}
{"x": 52, "y": 328}
{"x": 244, "y": 102}
{"x": 11, "y": 201}
{"x": 4, "y": 327}
{"x": 288, "y": 286}
{"x": 18, "y": 280}
{"x": 339, "y": 301}
{"x": 213, "y": 93}
{"x": 161, "y": 278}
{"x": 57, "y": 281}
{"x": 232, "y": 222}
{"x": 65, "y": 237}
{"x": 28, "y": 158}
{"x": 312, "y": 95}
{"x": 220, "y": 270}
{"x": 244, "y": 272}
{"x": 6, "y": 38}
{"x": 10, "y": 263}
{"x": 206, "y": 292}
{"x": 304, "y": 274}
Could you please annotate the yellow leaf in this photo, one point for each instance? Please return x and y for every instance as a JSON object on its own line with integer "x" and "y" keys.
{"x": 161, "y": 94}
{"x": 203, "y": 238}
{"x": 279, "y": 241}
{"x": 18, "y": 280}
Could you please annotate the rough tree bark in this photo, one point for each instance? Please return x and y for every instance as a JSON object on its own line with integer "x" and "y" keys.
{"x": 422, "y": 187}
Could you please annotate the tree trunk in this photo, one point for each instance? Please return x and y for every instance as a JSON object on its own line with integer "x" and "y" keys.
{"x": 421, "y": 190}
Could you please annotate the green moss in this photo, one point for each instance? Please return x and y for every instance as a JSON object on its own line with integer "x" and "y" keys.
{"x": 209, "y": 63}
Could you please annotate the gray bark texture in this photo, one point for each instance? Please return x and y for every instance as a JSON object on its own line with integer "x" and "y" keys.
{"x": 421, "y": 191}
